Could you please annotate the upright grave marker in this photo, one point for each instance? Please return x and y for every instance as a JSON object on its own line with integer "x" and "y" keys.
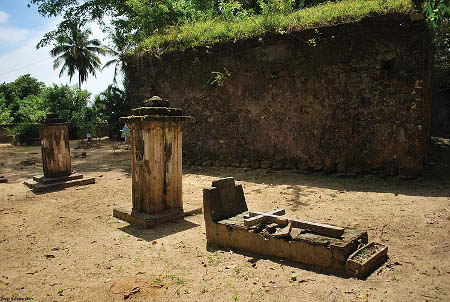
{"x": 56, "y": 161}
{"x": 156, "y": 139}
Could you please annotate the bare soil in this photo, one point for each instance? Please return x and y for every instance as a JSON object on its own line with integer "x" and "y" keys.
{"x": 66, "y": 246}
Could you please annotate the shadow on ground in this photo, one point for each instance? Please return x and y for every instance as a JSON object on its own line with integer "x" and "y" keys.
{"x": 254, "y": 258}
{"x": 434, "y": 183}
{"x": 160, "y": 231}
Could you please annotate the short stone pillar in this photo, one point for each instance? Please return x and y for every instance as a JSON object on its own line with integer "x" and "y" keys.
{"x": 54, "y": 133}
{"x": 56, "y": 161}
{"x": 156, "y": 139}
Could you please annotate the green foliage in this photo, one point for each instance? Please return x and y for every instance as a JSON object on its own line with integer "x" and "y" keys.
{"x": 112, "y": 104}
{"x": 70, "y": 103}
{"x": 210, "y": 31}
{"x": 22, "y": 87}
{"x": 218, "y": 78}
{"x": 25, "y": 131}
{"x": 5, "y": 113}
{"x": 31, "y": 109}
{"x": 276, "y": 6}
{"x": 76, "y": 52}
{"x": 117, "y": 48}
{"x": 436, "y": 12}
{"x": 160, "y": 21}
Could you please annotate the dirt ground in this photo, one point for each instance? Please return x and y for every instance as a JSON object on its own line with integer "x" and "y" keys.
{"x": 66, "y": 246}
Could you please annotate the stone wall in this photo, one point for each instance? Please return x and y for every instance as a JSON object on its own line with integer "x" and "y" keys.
{"x": 348, "y": 98}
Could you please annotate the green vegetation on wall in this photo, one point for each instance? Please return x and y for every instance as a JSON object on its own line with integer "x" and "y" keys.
{"x": 211, "y": 31}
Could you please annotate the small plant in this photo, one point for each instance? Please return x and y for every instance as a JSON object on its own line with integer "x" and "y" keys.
{"x": 219, "y": 78}
{"x": 176, "y": 279}
{"x": 313, "y": 41}
{"x": 214, "y": 259}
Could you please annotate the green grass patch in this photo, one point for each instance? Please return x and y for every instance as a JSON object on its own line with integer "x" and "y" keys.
{"x": 211, "y": 31}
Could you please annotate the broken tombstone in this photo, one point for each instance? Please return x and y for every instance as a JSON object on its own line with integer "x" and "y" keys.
{"x": 229, "y": 224}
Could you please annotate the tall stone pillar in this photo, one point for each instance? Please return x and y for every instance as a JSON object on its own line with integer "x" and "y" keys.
{"x": 54, "y": 133}
{"x": 56, "y": 161}
{"x": 156, "y": 139}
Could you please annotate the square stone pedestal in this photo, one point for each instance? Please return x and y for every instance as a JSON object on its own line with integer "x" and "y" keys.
{"x": 40, "y": 183}
{"x": 150, "y": 220}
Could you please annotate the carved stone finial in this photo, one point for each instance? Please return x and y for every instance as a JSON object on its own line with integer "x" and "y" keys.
{"x": 156, "y": 101}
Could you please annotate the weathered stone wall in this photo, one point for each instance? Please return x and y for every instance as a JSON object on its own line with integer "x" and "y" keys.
{"x": 357, "y": 101}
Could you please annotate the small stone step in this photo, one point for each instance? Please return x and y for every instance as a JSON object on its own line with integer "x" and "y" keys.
{"x": 30, "y": 183}
{"x": 46, "y": 180}
{"x": 40, "y": 187}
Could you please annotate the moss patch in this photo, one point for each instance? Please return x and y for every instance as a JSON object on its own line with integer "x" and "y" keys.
{"x": 163, "y": 111}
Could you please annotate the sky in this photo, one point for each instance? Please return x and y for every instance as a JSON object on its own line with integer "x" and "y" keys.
{"x": 21, "y": 28}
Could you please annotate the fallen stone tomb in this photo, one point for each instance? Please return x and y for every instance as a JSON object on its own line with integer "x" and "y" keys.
{"x": 56, "y": 161}
{"x": 230, "y": 224}
{"x": 156, "y": 144}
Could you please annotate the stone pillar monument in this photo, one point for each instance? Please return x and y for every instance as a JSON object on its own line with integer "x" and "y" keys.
{"x": 54, "y": 133}
{"x": 156, "y": 138}
{"x": 56, "y": 161}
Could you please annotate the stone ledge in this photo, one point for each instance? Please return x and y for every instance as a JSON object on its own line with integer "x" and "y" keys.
{"x": 49, "y": 180}
{"x": 56, "y": 184}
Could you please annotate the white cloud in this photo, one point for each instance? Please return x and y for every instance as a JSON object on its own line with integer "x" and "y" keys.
{"x": 39, "y": 63}
{"x": 3, "y": 17}
{"x": 12, "y": 35}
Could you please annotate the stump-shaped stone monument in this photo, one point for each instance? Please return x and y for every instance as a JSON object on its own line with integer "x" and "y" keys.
{"x": 56, "y": 161}
{"x": 156, "y": 139}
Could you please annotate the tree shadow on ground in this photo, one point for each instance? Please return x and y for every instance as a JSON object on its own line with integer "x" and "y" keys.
{"x": 159, "y": 231}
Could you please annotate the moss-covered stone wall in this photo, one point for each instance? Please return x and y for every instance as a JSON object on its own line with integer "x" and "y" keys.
{"x": 348, "y": 98}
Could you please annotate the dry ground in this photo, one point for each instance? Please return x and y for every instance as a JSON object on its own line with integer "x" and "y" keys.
{"x": 66, "y": 246}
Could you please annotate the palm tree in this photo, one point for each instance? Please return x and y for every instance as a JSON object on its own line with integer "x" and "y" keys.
{"x": 118, "y": 48}
{"x": 77, "y": 52}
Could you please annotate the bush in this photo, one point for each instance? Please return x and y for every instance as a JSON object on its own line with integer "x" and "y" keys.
{"x": 70, "y": 103}
{"x": 112, "y": 104}
{"x": 5, "y": 113}
{"x": 25, "y": 132}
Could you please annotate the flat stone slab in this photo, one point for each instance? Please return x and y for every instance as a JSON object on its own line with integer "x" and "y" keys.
{"x": 150, "y": 220}
{"x": 299, "y": 246}
{"x": 46, "y": 180}
{"x": 57, "y": 184}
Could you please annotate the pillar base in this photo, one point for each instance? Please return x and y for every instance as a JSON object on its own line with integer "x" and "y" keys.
{"x": 40, "y": 183}
{"x": 150, "y": 220}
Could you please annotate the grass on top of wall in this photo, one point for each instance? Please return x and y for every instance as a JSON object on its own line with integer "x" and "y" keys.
{"x": 207, "y": 32}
